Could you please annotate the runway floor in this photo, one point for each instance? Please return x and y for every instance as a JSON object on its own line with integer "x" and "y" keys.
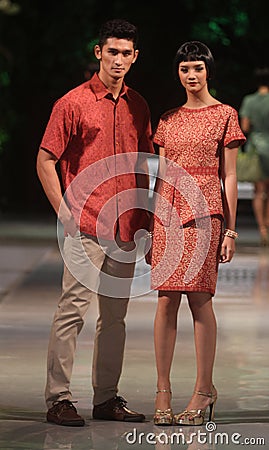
{"x": 30, "y": 276}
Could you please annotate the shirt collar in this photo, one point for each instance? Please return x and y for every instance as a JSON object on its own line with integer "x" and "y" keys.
{"x": 101, "y": 91}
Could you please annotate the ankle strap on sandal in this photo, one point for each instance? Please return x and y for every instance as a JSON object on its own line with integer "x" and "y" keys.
{"x": 206, "y": 394}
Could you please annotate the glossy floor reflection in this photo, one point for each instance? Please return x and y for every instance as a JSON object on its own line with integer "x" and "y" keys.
{"x": 30, "y": 273}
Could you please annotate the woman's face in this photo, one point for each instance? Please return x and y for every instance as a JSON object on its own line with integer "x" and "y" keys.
{"x": 193, "y": 75}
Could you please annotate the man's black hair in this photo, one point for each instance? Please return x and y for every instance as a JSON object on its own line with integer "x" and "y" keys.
{"x": 120, "y": 29}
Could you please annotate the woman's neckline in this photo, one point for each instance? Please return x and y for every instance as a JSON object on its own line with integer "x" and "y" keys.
{"x": 202, "y": 107}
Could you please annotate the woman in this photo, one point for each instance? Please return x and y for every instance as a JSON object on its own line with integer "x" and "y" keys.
{"x": 254, "y": 113}
{"x": 198, "y": 144}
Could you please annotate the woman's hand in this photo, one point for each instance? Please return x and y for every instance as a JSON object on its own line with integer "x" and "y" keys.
{"x": 148, "y": 255}
{"x": 149, "y": 239}
{"x": 227, "y": 249}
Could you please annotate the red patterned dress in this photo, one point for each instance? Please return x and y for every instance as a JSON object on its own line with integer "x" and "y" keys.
{"x": 189, "y": 210}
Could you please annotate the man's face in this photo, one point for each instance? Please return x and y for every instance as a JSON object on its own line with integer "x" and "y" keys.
{"x": 116, "y": 57}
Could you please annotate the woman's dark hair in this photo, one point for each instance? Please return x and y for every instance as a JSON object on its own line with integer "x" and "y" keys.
{"x": 120, "y": 29}
{"x": 261, "y": 76}
{"x": 195, "y": 51}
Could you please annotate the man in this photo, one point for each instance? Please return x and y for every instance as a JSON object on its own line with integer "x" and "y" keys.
{"x": 94, "y": 132}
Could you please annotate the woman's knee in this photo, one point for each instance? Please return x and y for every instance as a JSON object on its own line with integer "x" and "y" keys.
{"x": 197, "y": 300}
{"x": 260, "y": 189}
{"x": 168, "y": 302}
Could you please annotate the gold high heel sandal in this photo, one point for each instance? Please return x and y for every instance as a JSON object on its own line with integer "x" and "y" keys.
{"x": 166, "y": 416}
{"x": 197, "y": 416}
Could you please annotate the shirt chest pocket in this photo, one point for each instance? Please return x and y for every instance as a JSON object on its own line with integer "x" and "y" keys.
{"x": 88, "y": 134}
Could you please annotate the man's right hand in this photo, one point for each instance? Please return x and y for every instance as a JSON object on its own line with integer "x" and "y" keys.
{"x": 49, "y": 178}
{"x": 70, "y": 227}
{"x": 68, "y": 221}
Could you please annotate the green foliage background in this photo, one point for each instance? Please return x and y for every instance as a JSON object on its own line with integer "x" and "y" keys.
{"x": 45, "y": 47}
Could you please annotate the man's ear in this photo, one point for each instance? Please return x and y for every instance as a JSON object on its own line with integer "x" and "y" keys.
{"x": 98, "y": 51}
{"x": 136, "y": 53}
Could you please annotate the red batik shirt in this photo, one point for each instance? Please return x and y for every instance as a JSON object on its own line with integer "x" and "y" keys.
{"x": 97, "y": 141}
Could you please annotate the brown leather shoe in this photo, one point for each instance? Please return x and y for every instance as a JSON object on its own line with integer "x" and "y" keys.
{"x": 115, "y": 409}
{"x": 63, "y": 412}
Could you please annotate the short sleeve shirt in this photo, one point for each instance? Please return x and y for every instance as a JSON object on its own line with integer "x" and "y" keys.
{"x": 97, "y": 141}
{"x": 256, "y": 108}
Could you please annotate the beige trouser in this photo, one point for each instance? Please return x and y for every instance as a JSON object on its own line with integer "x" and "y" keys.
{"x": 113, "y": 296}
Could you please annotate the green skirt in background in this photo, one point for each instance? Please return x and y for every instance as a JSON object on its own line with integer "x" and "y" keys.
{"x": 253, "y": 162}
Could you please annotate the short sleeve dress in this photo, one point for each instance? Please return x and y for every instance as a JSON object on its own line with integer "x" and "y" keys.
{"x": 189, "y": 207}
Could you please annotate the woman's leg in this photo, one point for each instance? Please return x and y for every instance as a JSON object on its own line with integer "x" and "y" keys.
{"x": 267, "y": 205}
{"x": 205, "y": 330}
{"x": 165, "y": 330}
{"x": 259, "y": 208}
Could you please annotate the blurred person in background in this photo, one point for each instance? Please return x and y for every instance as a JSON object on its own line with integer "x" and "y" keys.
{"x": 254, "y": 118}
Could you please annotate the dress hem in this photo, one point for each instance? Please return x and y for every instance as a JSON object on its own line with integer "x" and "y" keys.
{"x": 184, "y": 289}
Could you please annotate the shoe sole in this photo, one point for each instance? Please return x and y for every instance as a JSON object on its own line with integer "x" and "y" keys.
{"x": 120, "y": 420}
{"x": 68, "y": 424}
